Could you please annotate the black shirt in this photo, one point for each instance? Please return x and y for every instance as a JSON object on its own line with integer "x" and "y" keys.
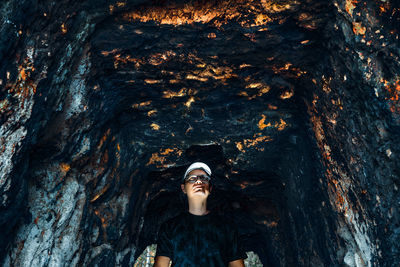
{"x": 192, "y": 240}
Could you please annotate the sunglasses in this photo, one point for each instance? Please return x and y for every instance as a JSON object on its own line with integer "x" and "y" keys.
{"x": 193, "y": 178}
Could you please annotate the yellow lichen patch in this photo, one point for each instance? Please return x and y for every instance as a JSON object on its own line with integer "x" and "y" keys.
{"x": 118, "y": 4}
{"x": 119, "y": 59}
{"x": 118, "y": 147}
{"x": 151, "y": 112}
{"x": 281, "y": 125}
{"x": 262, "y": 89}
{"x": 211, "y": 35}
{"x": 180, "y": 93}
{"x": 262, "y": 19}
{"x": 142, "y": 104}
{"x": 247, "y": 143}
{"x": 22, "y": 74}
{"x": 218, "y": 73}
{"x": 239, "y": 146}
{"x": 198, "y": 78}
{"x": 160, "y": 158}
{"x": 350, "y": 6}
{"x": 155, "y": 126}
{"x": 189, "y": 102}
{"x": 393, "y": 89}
{"x": 107, "y": 53}
{"x": 278, "y": 6}
{"x": 261, "y": 124}
{"x": 151, "y": 81}
{"x": 160, "y": 58}
{"x": 65, "y": 167}
{"x": 63, "y": 28}
{"x": 326, "y": 84}
{"x": 244, "y": 65}
{"x": 254, "y": 85}
{"x": 358, "y": 28}
{"x": 247, "y": 13}
{"x": 288, "y": 68}
{"x": 24, "y": 88}
{"x": 287, "y": 94}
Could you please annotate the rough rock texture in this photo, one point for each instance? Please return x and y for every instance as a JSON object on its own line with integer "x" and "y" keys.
{"x": 294, "y": 104}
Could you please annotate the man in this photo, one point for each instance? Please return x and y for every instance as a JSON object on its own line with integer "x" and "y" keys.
{"x": 198, "y": 237}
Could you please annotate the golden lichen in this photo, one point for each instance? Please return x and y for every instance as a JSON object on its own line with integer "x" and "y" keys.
{"x": 261, "y": 124}
{"x": 217, "y": 13}
{"x": 155, "y": 126}
{"x": 279, "y": 125}
{"x": 350, "y": 6}
{"x": 252, "y": 142}
{"x": 189, "y": 102}
{"x": 180, "y": 93}
{"x": 141, "y": 105}
{"x": 65, "y": 167}
{"x": 63, "y": 28}
{"x": 160, "y": 158}
{"x": 358, "y": 28}
{"x": 287, "y": 94}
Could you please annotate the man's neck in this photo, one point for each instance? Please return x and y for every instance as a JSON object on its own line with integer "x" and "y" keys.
{"x": 198, "y": 207}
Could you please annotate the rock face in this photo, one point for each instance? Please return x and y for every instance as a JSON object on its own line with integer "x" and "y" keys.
{"x": 294, "y": 105}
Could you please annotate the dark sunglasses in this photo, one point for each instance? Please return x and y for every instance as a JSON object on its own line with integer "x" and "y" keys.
{"x": 193, "y": 178}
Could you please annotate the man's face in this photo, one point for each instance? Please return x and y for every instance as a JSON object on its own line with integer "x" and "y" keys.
{"x": 198, "y": 189}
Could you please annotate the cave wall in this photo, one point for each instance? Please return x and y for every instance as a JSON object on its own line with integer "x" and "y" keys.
{"x": 355, "y": 118}
{"x": 85, "y": 162}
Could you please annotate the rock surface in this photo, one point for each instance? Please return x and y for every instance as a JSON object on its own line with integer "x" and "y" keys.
{"x": 294, "y": 104}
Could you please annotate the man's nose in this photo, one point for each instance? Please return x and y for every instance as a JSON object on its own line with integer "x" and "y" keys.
{"x": 198, "y": 181}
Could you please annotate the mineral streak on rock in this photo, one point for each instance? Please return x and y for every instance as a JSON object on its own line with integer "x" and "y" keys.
{"x": 294, "y": 105}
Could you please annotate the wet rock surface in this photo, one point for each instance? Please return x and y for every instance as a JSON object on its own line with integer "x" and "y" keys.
{"x": 294, "y": 105}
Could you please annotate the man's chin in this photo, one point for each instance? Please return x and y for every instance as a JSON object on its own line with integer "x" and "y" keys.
{"x": 200, "y": 194}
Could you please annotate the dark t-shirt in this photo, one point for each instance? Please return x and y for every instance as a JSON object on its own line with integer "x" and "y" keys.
{"x": 192, "y": 240}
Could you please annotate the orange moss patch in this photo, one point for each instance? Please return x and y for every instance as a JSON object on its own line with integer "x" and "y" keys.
{"x": 287, "y": 94}
{"x": 189, "y": 102}
{"x": 65, "y": 167}
{"x": 63, "y": 28}
{"x": 142, "y": 104}
{"x": 261, "y": 124}
{"x": 217, "y": 13}
{"x": 155, "y": 126}
{"x": 393, "y": 90}
{"x": 247, "y": 143}
{"x": 180, "y": 93}
{"x": 358, "y": 28}
{"x": 281, "y": 125}
{"x": 350, "y": 6}
{"x": 160, "y": 158}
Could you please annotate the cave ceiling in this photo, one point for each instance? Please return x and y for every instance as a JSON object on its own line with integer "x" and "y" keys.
{"x": 227, "y": 72}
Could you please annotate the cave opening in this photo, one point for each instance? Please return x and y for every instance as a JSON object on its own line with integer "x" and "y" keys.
{"x": 253, "y": 200}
